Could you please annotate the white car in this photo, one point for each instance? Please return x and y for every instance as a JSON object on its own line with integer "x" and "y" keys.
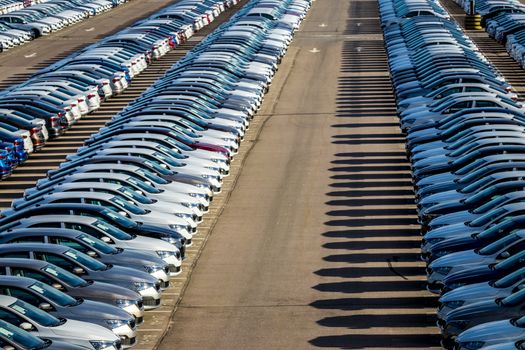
{"x": 44, "y": 325}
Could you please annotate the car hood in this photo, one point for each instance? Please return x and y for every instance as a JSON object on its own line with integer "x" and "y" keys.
{"x": 96, "y": 311}
{"x": 148, "y": 243}
{"x": 466, "y": 257}
{"x": 482, "y": 290}
{"x": 451, "y": 218}
{"x": 83, "y": 330}
{"x": 104, "y": 291}
{"x": 495, "y": 332}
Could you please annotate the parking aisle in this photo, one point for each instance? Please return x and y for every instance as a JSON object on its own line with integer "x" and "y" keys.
{"x": 318, "y": 245}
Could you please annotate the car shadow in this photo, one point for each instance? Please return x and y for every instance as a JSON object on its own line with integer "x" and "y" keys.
{"x": 372, "y": 282}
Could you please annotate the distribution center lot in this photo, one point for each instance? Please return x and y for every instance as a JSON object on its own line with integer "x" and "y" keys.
{"x": 314, "y": 242}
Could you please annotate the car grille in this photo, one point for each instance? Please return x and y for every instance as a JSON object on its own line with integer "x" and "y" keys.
{"x": 157, "y": 286}
{"x": 167, "y": 269}
{"x": 165, "y": 284}
{"x": 132, "y": 324}
{"x": 174, "y": 268}
{"x": 139, "y": 320}
{"x": 151, "y": 302}
{"x": 140, "y": 304}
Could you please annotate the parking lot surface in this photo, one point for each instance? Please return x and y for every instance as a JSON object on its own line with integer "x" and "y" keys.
{"x": 19, "y": 63}
{"x": 318, "y": 244}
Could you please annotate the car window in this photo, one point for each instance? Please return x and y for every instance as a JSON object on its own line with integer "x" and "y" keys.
{"x": 56, "y": 260}
{"x": 485, "y": 104}
{"x": 23, "y": 255}
{"x": 66, "y": 242}
{"x": 83, "y": 228}
{"x": 449, "y": 92}
{"x": 22, "y": 295}
{"x": 31, "y": 274}
{"x": 33, "y": 239}
{"x": 458, "y": 106}
{"x": 10, "y": 317}
{"x": 47, "y": 224}
{"x": 474, "y": 89}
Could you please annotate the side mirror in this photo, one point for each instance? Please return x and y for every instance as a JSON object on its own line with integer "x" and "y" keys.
{"x": 91, "y": 253}
{"x": 78, "y": 271}
{"x": 57, "y": 286}
{"x": 105, "y": 239}
{"x": 45, "y": 306}
{"x": 123, "y": 213}
{"x": 9, "y": 347}
{"x": 26, "y": 326}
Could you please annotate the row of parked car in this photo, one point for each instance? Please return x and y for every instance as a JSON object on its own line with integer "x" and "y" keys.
{"x": 20, "y": 24}
{"x": 505, "y": 22}
{"x": 55, "y": 98}
{"x": 92, "y": 246}
{"x": 7, "y": 6}
{"x": 465, "y": 132}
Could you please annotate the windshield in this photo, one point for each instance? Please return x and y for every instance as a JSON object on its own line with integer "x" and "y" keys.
{"x": 515, "y": 298}
{"x": 180, "y": 145}
{"x": 495, "y": 201}
{"x": 127, "y": 206}
{"x": 134, "y": 195}
{"x": 85, "y": 260}
{"x": 511, "y": 279}
{"x": 142, "y": 185}
{"x": 500, "y": 244}
{"x": 468, "y": 168}
{"x": 165, "y": 159}
{"x": 512, "y": 262}
{"x": 159, "y": 169}
{"x": 488, "y": 217}
{"x": 65, "y": 276}
{"x": 35, "y": 314}
{"x": 97, "y": 244}
{"x": 26, "y": 339}
{"x": 170, "y": 152}
{"x": 112, "y": 230}
{"x": 152, "y": 177}
{"x": 477, "y": 185}
{"x": 51, "y": 293}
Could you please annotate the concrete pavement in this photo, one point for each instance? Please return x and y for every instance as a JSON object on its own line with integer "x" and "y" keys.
{"x": 318, "y": 243}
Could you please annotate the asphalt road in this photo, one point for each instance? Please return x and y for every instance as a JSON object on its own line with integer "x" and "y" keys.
{"x": 21, "y": 62}
{"x": 318, "y": 244}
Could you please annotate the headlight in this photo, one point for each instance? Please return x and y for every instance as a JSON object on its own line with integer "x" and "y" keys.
{"x": 179, "y": 227}
{"x": 473, "y": 345}
{"x": 184, "y": 216}
{"x": 169, "y": 239}
{"x": 138, "y": 286}
{"x": 455, "y": 304}
{"x": 125, "y": 302}
{"x": 435, "y": 240}
{"x": 165, "y": 253}
{"x": 153, "y": 268}
{"x": 102, "y": 344}
{"x": 116, "y": 323}
{"x": 455, "y": 285}
{"x": 443, "y": 270}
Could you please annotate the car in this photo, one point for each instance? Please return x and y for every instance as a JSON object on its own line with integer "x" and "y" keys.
{"x": 88, "y": 268}
{"x": 62, "y": 305}
{"x": 75, "y": 286}
{"x": 92, "y": 246}
{"x": 42, "y": 324}
{"x": 12, "y": 337}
